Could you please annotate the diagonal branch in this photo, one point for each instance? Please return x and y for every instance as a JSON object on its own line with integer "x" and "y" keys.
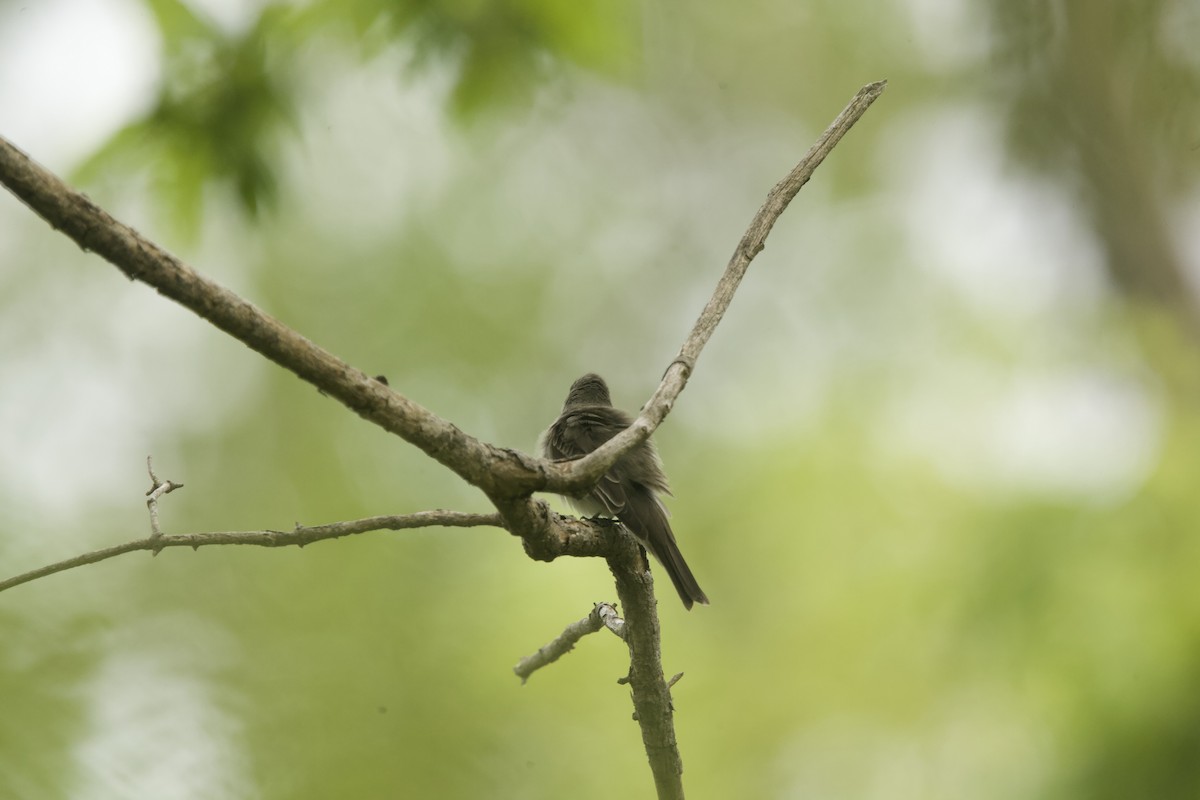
{"x": 507, "y": 477}
{"x": 93, "y": 229}
{"x": 299, "y": 537}
{"x": 584, "y": 472}
{"x": 603, "y": 615}
{"x": 501, "y": 474}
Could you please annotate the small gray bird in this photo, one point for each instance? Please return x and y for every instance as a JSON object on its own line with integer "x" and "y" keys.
{"x": 629, "y": 491}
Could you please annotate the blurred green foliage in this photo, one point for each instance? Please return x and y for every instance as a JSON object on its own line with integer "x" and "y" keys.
{"x": 1103, "y": 94}
{"x": 561, "y": 200}
{"x": 227, "y": 96}
{"x": 216, "y": 118}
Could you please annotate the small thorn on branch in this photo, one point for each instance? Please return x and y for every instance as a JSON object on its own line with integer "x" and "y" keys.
{"x": 157, "y": 489}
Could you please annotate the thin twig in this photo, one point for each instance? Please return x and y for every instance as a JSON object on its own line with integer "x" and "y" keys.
{"x": 157, "y": 489}
{"x": 300, "y": 536}
{"x": 602, "y": 615}
{"x": 653, "y": 708}
{"x": 507, "y": 477}
{"x": 571, "y": 477}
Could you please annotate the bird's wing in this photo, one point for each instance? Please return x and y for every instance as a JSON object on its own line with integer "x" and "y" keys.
{"x": 580, "y": 432}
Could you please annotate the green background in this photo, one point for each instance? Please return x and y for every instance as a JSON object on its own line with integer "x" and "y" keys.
{"x": 937, "y": 469}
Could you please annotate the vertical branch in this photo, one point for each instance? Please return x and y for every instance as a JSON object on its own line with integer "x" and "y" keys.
{"x": 635, "y": 587}
{"x": 651, "y": 695}
{"x": 507, "y": 477}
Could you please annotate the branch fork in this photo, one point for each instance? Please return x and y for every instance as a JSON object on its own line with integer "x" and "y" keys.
{"x": 157, "y": 489}
{"x": 508, "y": 478}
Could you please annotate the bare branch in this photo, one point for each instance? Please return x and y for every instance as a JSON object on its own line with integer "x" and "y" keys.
{"x": 603, "y": 615}
{"x": 93, "y": 229}
{"x": 582, "y": 473}
{"x": 652, "y": 706}
{"x": 507, "y": 477}
{"x": 157, "y": 489}
{"x": 300, "y": 536}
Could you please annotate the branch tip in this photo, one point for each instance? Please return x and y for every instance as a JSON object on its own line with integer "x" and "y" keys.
{"x": 602, "y": 615}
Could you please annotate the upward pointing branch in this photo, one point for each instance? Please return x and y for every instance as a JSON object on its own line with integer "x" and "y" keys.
{"x": 507, "y": 477}
{"x": 502, "y": 474}
{"x": 582, "y": 473}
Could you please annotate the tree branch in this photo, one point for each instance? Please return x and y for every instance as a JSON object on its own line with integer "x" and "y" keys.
{"x": 300, "y": 536}
{"x": 507, "y": 477}
{"x": 157, "y": 489}
{"x": 652, "y": 705}
{"x": 502, "y": 474}
{"x": 603, "y": 615}
{"x": 580, "y": 474}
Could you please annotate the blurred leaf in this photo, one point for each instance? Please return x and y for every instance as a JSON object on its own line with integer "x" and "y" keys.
{"x": 218, "y": 117}
{"x": 179, "y": 24}
{"x": 933, "y": 634}
{"x": 502, "y": 50}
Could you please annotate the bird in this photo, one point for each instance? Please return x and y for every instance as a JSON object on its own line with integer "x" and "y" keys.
{"x": 630, "y": 490}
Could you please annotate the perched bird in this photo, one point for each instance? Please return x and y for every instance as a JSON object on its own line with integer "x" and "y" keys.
{"x": 628, "y": 491}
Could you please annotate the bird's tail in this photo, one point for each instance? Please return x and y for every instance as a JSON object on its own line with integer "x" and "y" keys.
{"x": 646, "y": 518}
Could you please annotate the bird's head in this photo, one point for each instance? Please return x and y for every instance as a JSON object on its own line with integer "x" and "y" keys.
{"x": 590, "y": 390}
